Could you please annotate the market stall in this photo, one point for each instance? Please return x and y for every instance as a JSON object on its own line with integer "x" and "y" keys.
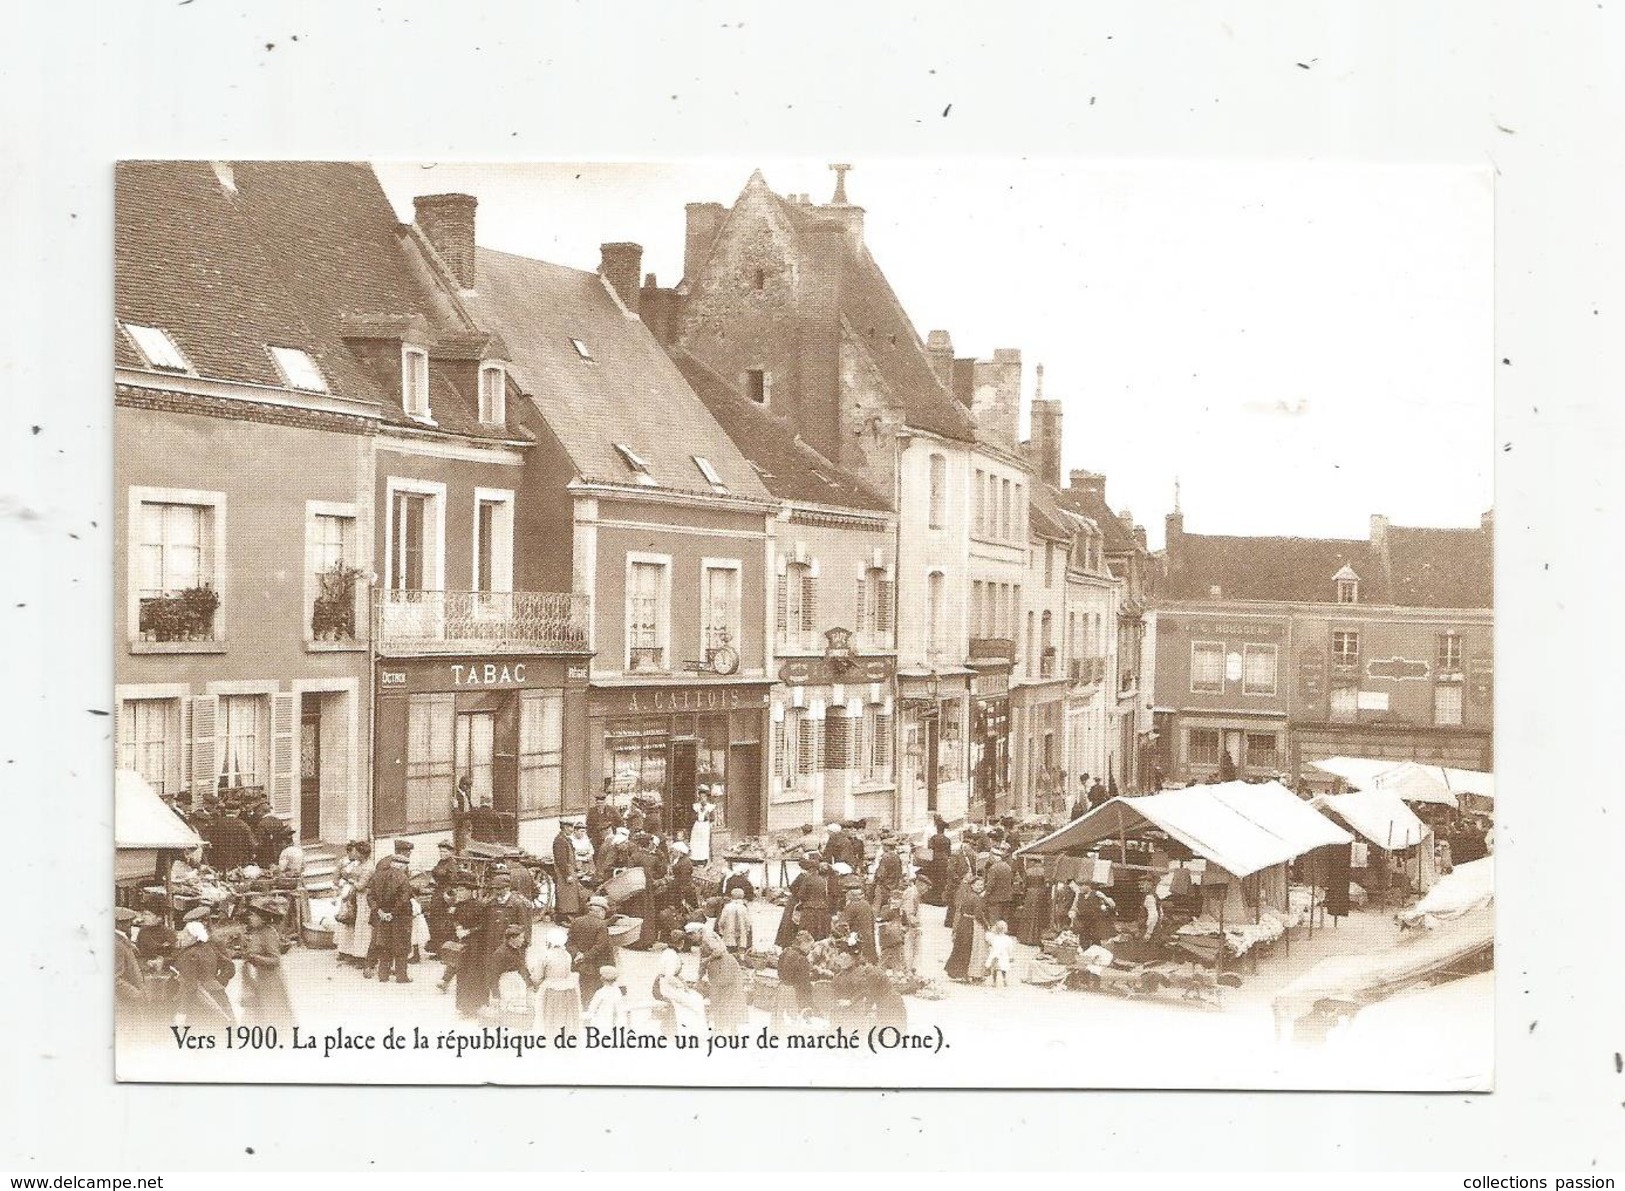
{"x": 1227, "y": 847}
{"x": 146, "y": 833}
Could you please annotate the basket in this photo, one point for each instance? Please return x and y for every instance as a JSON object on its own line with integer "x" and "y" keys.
{"x": 316, "y": 937}
{"x": 626, "y": 883}
{"x": 624, "y": 928}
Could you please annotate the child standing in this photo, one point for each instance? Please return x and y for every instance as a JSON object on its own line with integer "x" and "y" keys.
{"x": 1001, "y": 950}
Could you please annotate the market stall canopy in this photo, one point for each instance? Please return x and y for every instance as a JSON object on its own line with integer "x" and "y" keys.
{"x": 1359, "y": 772}
{"x": 1416, "y": 783}
{"x": 141, "y": 820}
{"x": 1380, "y": 816}
{"x": 1240, "y": 826}
{"x": 1466, "y": 889}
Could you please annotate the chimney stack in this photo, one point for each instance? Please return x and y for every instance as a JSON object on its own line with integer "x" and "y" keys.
{"x": 1173, "y": 528}
{"x": 447, "y": 222}
{"x": 997, "y": 400}
{"x": 1087, "y": 481}
{"x": 621, "y": 265}
{"x": 1046, "y": 440}
{"x": 1379, "y": 531}
{"x": 704, "y": 221}
{"x": 939, "y": 349}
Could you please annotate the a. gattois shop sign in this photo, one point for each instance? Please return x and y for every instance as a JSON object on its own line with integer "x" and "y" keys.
{"x": 652, "y": 700}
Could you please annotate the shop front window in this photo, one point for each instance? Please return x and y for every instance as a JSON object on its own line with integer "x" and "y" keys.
{"x": 541, "y": 750}
{"x": 635, "y": 753}
{"x": 951, "y": 743}
{"x": 430, "y": 747}
{"x": 1202, "y": 746}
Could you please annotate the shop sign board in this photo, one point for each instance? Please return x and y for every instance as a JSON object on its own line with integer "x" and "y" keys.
{"x": 1481, "y": 678}
{"x": 674, "y": 699}
{"x": 475, "y": 673}
{"x": 827, "y": 671}
{"x": 1397, "y": 669}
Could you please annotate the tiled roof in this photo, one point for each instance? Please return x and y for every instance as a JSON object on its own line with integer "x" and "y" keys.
{"x": 294, "y": 255}
{"x": 788, "y": 467}
{"x": 1088, "y": 502}
{"x": 629, "y": 392}
{"x": 1442, "y": 568}
{"x": 1044, "y": 516}
{"x": 1278, "y": 569}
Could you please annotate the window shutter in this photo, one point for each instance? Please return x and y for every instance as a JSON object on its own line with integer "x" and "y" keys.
{"x": 809, "y": 602}
{"x": 781, "y": 615}
{"x": 205, "y": 757}
{"x": 123, "y": 720}
{"x": 779, "y": 758}
{"x": 282, "y": 755}
{"x": 882, "y": 741}
{"x": 806, "y": 746}
{"x": 865, "y": 614}
{"x": 883, "y": 607}
{"x": 837, "y": 743}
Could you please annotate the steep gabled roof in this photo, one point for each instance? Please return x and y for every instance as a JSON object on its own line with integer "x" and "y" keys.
{"x": 293, "y": 254}
{"x": 1441, "y": 568}
{"x": 871, "y": 309}
{"x": 628, "y": 392}
{"x": 788, "y": 467}
{"x": 1045, "y": 517}
{"x": 1266, "y": 568}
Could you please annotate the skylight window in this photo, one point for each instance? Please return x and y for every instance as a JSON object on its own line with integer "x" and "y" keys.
{"x": 638, "y": 464}
{"x": 159, "y": 349}
{"x": 298, "y": 369}
{"x": 710, "y": 473}
{"x": 582, "y": 349}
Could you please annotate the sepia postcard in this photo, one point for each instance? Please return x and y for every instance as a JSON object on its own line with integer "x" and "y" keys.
{"x": 958, "y": 623}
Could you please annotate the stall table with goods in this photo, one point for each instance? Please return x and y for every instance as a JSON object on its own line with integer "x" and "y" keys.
{"x": 1215, "y": 860}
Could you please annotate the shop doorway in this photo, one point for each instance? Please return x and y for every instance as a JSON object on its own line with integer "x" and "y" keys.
{"x": 744, "y": 809}
{"x": 933, "y": 723}
{"x": 310, "y": 768}
{"x": 682, "y": 788}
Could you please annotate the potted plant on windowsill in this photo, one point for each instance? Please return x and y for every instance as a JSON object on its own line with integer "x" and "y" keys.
{"x": 333, "y": 618}
{"x": 188, "y": 615}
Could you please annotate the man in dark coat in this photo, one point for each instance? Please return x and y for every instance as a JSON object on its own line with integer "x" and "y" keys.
{"x": 600, "y": 818}
{"x": 566, "y": 892}
{"x": 1080, "y": 808}
{"x": 888, "y": 873}
{"x": 590, "y": 946}
{"x": 233, "y": 843}
{"x": 438, "y": 911}
{"x": 1097, "y": 794}
{"x": 682, "y": 895}
{"x": 860, "y": 919}
{"x": 476, "y": 977}
{"x": 1001, "y": 888}
{"x": 389, "y": 894}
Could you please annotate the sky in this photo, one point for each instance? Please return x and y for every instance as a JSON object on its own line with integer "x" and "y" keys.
{"x": 1299, "y": 346}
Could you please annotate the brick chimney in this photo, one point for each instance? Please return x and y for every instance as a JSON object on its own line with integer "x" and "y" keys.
{"x": 1046, "y": 440}
{"x": 1379, "y": 531}
{"x": 997, "y": 398}
{"x": 939, "y": 349}
{"x": 1087, "y": 481}
{"x": 621, "y": 264}
{"x": 1173, "y": 528}
{"x": 447, "y": 222}
{"x": 704, "y": 221}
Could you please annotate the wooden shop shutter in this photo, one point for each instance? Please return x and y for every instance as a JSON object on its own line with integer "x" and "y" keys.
{"x": 809, "y": 601}
{"x": 283, "y": 769}
{"x": 882, "y": 740}
{"x": 883, "y": 618}
{"x": 807, "y": 745}
{"x": 837, "y": 742}
{"x": 781, "y": 616}
{"x": 205, "y": 755}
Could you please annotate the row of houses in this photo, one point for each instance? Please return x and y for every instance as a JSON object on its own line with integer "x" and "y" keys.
{"x": 398, "y": 509}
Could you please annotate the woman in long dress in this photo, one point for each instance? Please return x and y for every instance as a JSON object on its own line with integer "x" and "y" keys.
{"x": 723, "y": 983}
{"x": 938, "y": 890}
{"x": 560, "y": 985}
{"x": 969, "y": 952}
{"x": 265, "y": 991}
{"x": 699, "y": 835}
{"x": 357, "y": 944}
{"x": 685, "y": 1007}
{"x": 204, "y": 973}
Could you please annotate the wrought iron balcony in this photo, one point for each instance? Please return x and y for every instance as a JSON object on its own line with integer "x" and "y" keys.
{"x": 417, "y": 622}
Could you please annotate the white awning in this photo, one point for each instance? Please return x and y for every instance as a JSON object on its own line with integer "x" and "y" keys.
{"x": 1378, "y": 815}
{"x": 1240, "y": 826}
{"x": 141, "y": 820}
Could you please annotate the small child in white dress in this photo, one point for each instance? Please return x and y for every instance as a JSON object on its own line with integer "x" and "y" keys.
{"x": 1001, "y": 952}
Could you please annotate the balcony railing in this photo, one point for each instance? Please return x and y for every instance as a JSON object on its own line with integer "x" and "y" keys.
{"x": 413, "y": 622}
{"x": 1088, "y": 671}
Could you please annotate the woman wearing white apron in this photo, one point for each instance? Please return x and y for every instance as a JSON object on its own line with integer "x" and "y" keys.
{"x": 356, "y": 947}
{"x": 699, "y": 836}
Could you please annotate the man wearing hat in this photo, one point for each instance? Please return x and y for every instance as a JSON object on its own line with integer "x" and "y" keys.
{"x": 438, "y": 911}
{"x": 129, "y": 975}
{"x": 566, "y": 890}
{"x": 588, "y": 941}
{"x": 860, "y": 921}
{"x": 682, "y": 895}
{"x": 1001, "y": 886}
{"x": 390, "y": 897}
{"x": 889, "y": 873}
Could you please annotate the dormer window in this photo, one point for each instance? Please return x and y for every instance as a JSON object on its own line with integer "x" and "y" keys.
{"x": 298, "y": 369}
{"x": 493, "y": 394}
{"x": 710, "y": 473}
{"x": 638, "y": 464}
{"x": 158, "y": 348}
{"x": 582, "y": 349}
{"x": 1348, "y": 586}
{"x": 415, "y": 382}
